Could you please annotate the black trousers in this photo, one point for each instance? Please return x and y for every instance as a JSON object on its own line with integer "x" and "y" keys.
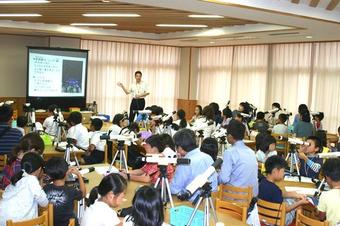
{"x": 136, "y": 104}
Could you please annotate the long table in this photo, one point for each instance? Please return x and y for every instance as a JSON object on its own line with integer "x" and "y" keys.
{"x": 50, "y": 152}
{"x": 95, "y": 178}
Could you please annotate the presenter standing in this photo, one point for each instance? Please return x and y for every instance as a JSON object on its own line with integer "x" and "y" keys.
{"x": 139, "y": 91}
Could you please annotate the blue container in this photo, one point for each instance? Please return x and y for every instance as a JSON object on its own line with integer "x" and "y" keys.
{"x": 180, "y": 215}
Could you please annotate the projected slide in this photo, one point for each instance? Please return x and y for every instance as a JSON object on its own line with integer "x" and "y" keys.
{"x": 56, "y": 75}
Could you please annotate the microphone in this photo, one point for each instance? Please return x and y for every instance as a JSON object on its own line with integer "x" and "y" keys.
{"x": 199, "y": 181}
{"x": 294, "y": 140}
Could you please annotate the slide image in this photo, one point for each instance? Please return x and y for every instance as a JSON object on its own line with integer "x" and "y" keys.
{"x": 72, "y": 76}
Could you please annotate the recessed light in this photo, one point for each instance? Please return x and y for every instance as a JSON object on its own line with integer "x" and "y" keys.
{"x": 106, "y": 1}
{"x": 309, "y": 36}
{"x": 23, "y": 1}
{"x": 111, "y": 15}
{"x": 211, "y": 42}
{"x": 94, "y": 24}
{"x": 181, "y": 25}
{"x": 19, "y": 15}
{"x": 205, "y": 16}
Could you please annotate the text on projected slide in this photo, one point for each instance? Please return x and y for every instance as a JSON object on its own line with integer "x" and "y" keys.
{"x": 53, "y": 75}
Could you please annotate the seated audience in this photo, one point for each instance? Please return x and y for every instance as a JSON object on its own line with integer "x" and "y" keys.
{"x": 280, "y": 127}
{"x": 304, "y": 127}
{"x": 197, "y": 114}
{"x": 239, "y": 166}
{"x": 61, "y": 196}
{"x": 260, "y": 124}
{"x": 227, "y": 115}
{"x": 267, "y": 148}
{"x": 22, "y": 197}
{"x": 49, "y": 124}
{"x": 210, "y": 146}
{"x": 186, "y": 146}
{"x": 78, "y": 133}
{"x": 270, "y": 192}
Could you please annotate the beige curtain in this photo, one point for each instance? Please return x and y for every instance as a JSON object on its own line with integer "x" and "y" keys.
{"x": 112, "y": 62}
{"x": 214, "y": 75}
{"x": 326, "y": 83}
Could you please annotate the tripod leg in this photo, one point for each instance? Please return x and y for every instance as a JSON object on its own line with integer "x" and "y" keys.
{"x": 157, "y": 182}
{"x": 76, "y": 159}
{"x": 125, "y": 161}
{"x": 195, "y": 210}
{"x": 296, "y": 164}
{"x": 213, "y": 209}
{"x": 112, "y": 162}
{"x": 162, "y": 189}
{"x": 120, "y": 160}
{"x": 206, "y": 213}
{"x": 169, "y": 192}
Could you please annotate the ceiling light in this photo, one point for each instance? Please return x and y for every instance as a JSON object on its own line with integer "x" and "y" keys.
{"x": 211, "y": 42}
{"x": 23, "y": 1}
{"x": 19, "y": 15}
{"x": 309, "y": 36}
{"x": 205, "y": 16}
{"x": 94, "y": 24}
{"x": 181, "y": 25}
{"x": 111, "y": 15}
{"x": 106, "y": 1}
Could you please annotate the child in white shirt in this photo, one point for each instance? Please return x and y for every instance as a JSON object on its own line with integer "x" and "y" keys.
{"x": 21, "y": 198}
{"x": 49, "y": 125}
{"x": 266, "y": 148}
{"x": 78, "y": 133}
{"x": 100, "y": 212}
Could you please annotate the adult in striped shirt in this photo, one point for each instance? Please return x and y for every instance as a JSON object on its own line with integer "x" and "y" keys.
{"x": 9, "y": 137}
{"x": 310, "y": 163}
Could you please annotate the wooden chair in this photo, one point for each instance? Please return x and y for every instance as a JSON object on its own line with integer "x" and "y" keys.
{"x": 282, "y": 146}
{"x": 3, "y": 161}
{"x": 272, "y": 213}
{"x": 50, "y": 214}
{"x": 240, "y": 196}
{"x": 232, "y": 210}
{"x": 72, "y": 222}
{"x": 1, "y": 192}
{"x": 302, "y": 220}
{"x": 106, "y": 149}
{"x": 41, "y": 221}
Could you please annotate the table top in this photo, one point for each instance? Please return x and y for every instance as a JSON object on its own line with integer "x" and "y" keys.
{"x": 95, "y": 178}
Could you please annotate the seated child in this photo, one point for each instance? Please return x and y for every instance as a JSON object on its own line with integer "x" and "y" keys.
{"x": 48, "y": 124}
{"x": 21, "y": 124}
{"x": 22, "y": 197}
{"x": 266, "y": 148}
{"x": 61, "y": 196}
{"x": 280, "y": 127}
{"x": 78, "y": 133}
{"x": 210, "y": 147}
{"x": 310, "y": 163}
{"x": 270, "y": 192}
{"x": 95, "y": 151}
{"x": 260, "y": 124}
{"x": 328, "y": 207}
{"x": 31, "y": 142}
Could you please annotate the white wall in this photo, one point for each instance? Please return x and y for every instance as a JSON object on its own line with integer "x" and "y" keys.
{"x": 13, "y": 63}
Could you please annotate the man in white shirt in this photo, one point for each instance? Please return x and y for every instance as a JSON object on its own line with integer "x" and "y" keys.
{"x": 78, "y": 132}
{"x": 139, "y": 90}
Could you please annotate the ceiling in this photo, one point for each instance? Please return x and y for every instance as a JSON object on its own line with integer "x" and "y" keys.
{"x": 243, "y": 22}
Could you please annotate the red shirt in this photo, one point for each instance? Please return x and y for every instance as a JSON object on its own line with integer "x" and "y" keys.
{"x": 152, "y": 170}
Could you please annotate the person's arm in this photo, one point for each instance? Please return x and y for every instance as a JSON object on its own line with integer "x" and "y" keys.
{"x": 82, "y": 187}
{"x": 296, "y": 205}
{"x": 126, "y": 91}
{"x": 38, "y": 193}
{"x": 313, "y": 165}
{"x": 226, "y": 169}
{"x": 179, "y": 181}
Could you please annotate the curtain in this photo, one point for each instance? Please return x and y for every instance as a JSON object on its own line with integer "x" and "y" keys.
{"x": 249, "y": 75}
{"x": 290, "y": 67}
{"x": 326, "y": 83}
{"x": 113, "y": 62}
{"x": 214, "y": 75}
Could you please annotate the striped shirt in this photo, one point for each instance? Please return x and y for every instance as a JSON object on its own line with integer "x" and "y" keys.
{"x": 311, "y": 168}
{"x": 9, "y": 139}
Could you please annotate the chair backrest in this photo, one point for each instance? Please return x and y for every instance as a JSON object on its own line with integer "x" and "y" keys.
{"x": 231, "y": 209}
{"x": 106, "y": 149}
{"x": 50, "y": 214}
{"x": 41, "y": 221}
{"x": 272, "y": 213}
{"x": 302, "y": 220}
{"x": 282, "y": 146}
{"x": 1, "y": 192}
{"x": 72, "y": 222}
{"x": 3, "y": 161}
{"x": 240, "y": 196}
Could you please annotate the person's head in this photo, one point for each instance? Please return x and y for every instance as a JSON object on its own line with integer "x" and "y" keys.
{"x": 167, "y": 141}
{"x": 147, "y": 207}
{"x": 198, "y": 110}
{"x": 185, "y": 141}
{"x": 31, "y": 142}
{"x": 239, "y": 117}
{"x": 6, "y": 113}
{"x": 260, "y": 115}
{"x": 120, "y": 120}
{"x": 210, "y": 147}
{"x": 315, "y": 145}
{"x": 319, "y": 117}
{"x": 331, "y": 171}
{"x": 259, "y": 139}
{"x": 302, "y": 107}
{"x": 215, "y": 107}
{"x": 75, "y": 118}
{"x": 56, "y": 168}
{"x": 208, "y": 113}
{"x": 96, "y": 124}
{"x": 305, "y": 116}
{"x": 181, "y": 116}
{"x": 268, "y": 143}
{"x": 283, "y": 118}
{"x": 275, "y": 167}
{"x": 111, "y": 190}
{"x": 242, "y": 107}
{"x": 51, "y": 108}
{"x": 154, "y": 144}
{"x": 21, "y": 121}
{"x": 138, "y": 76}
{"x": 322, "y": 135}
{"x": 227, "y": 113}
{"x": 276, "y": 105}
{"x": 134, "y": 127}
{"x": 235, "y": 131}
{"x": 32, "y": 164}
